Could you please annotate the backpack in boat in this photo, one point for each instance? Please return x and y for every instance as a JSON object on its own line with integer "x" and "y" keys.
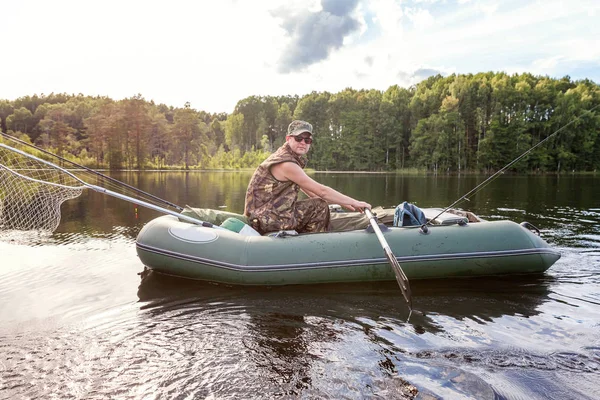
{"x": 407, "y": 214}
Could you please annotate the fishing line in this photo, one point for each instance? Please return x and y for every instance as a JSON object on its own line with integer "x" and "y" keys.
{"x": 491, "y": 178}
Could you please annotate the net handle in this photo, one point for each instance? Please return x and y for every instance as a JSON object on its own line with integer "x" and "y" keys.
{"x": 153, "y": 207}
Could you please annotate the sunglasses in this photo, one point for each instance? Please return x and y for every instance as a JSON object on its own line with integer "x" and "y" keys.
{"x": 307, "y": 140}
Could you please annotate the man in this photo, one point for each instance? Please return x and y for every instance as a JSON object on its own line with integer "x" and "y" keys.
{"x": 272, "y": 197}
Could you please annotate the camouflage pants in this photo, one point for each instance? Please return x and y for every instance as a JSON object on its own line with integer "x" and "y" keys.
{"x": 312, "y": 215}
{"x": 308, "y": 215}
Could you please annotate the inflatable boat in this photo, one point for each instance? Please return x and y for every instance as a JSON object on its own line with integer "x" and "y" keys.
{"x": 454, "y": 244}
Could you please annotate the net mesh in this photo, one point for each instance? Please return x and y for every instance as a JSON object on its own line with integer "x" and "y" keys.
{"x": 31, "y": 191}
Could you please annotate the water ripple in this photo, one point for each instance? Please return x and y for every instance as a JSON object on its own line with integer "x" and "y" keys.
{"x": 74, "y": 326}
{"x": 520, "y": 358}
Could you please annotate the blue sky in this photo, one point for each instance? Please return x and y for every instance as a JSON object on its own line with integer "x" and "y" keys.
{"x": 213, "y": 53}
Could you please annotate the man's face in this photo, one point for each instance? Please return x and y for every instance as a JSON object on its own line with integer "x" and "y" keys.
{"x": 298, "y": 143}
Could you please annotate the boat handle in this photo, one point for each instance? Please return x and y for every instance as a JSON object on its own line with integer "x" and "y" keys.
{"x": 531, "y": 227}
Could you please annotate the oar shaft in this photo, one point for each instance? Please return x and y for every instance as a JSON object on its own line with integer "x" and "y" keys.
{"x": 377, "y": 230}
{"x": 378, "y": 233}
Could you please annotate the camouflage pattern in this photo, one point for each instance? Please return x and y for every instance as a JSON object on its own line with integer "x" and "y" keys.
{"x": 272, "y": 205}
{"x": 311, "y": 215}
{"x": 297, "y": 127}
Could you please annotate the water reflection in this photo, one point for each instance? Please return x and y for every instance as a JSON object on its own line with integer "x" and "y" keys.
{"x": 278, "y": 334}
{"x": 479, "y": 299}
{"x": 289, "y": 333}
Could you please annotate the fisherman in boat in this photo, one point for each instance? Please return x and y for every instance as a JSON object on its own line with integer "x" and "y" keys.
{"x": 272, "y": 197}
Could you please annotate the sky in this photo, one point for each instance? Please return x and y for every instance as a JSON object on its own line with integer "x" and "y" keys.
{"x": 213, "y": 53}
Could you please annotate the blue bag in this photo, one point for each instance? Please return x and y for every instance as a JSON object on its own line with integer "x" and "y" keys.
{"x": 407, "y": 214}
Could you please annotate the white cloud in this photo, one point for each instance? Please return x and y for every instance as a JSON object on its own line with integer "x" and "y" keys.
{"x": 388, "y": 15}
{"x": 488, "y": 8}
{"x": 421, "y": 19}
{"x": 547, "y": 64}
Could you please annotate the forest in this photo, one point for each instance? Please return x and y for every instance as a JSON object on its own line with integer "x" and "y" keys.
{"x": 457, "y": 123}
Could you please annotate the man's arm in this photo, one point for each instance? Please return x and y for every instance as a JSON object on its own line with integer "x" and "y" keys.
{"x": 309, "y": 193}
{"x": 289, "y": 171}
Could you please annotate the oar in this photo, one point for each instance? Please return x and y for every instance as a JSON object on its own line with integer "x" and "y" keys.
{"x": 400, "y": 276}
{"x": 14, "y": 139}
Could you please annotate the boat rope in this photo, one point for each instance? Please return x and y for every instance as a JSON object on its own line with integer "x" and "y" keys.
{"x": 500, "y": 171}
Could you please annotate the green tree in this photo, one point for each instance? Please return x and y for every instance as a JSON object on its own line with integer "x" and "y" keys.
{"x": 284, "y": 118}
{"x": 6, "y": 109}
{"x": 234, "y": 126}
{"x": 138, "y": 123}
{"x": 20, "y": 120}
{"x": 159, "y": 137}
{"x": 56, "y": 133}
{"x": 189, "y": 133}
{"x": 395, "y": 125}
{"x": 314, "y": 109}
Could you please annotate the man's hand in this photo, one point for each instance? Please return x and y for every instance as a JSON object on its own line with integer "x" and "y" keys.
{"x": 357, "y": 205}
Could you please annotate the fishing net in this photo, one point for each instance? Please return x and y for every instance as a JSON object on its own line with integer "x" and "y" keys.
{"x": 32, "y": 191}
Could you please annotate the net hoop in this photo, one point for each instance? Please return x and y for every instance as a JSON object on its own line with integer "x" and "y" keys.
{"x": 40, "y": 181}
{"x": 32, "y": 191}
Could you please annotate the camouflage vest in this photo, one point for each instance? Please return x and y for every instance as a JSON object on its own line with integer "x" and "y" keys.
{"x": 268, "y": 199}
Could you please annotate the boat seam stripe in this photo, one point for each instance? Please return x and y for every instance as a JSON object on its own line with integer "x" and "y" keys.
{"x": 344, "y": 263}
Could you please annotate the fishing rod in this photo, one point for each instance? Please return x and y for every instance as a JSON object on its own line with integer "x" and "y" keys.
{"x": 488, "y": 180}
{"x": 93, "y": 172}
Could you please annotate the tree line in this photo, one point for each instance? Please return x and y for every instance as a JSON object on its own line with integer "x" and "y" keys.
{"x": 456, "y": 123}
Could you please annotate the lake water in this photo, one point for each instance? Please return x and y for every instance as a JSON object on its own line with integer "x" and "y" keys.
{"x": 77, "y": 321}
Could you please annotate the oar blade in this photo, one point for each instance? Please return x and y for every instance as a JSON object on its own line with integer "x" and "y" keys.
{"x": 400, "y": 277}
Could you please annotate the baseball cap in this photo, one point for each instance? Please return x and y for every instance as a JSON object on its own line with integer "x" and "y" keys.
{"x": 297, "y": 127}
